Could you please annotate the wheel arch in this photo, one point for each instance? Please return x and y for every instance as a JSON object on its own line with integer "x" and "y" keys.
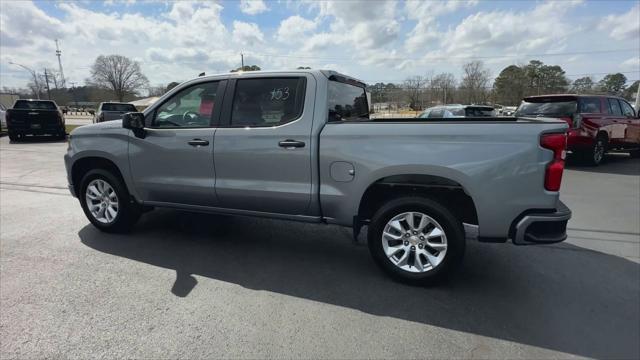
{"x": 83, "y": 165}
{"x": 444, "y": 190}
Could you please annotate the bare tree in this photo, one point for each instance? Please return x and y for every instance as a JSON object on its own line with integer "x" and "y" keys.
{"x": 37, "y": 86}
{"x": 475, "y": 81}
{"x": 413, "y": 87}
{"x": 118, "y": 73}
{"x": 157, "y": 90}
{"x": 443, "y": 87}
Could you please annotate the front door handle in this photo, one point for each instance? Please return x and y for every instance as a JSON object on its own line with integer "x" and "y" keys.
{"x": 289, "y": 144}
{"x": 198, "y": 142}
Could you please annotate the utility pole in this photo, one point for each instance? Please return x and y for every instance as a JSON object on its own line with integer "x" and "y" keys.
{"x": 242, "y": 61}
{"x": 638, "y": 99}
{"x": 73, "y": 91}
{"x": 46, "y": 79}
{"x": 59, "y": 54}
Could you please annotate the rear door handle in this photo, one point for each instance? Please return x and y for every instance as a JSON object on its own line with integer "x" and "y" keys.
{"x": 198, "y": 142}
{"x": 289, "y": 144}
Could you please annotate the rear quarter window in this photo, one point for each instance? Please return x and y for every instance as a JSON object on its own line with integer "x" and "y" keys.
{"x": 347, "y": 102}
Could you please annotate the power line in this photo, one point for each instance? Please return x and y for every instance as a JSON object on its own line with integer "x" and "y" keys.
{"x": 426, "y": 58}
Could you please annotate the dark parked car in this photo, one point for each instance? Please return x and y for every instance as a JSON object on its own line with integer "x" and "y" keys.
{"x": 598, "y": 123}
{"x": 458, "y": 111}
{"x": 35, "y": 117}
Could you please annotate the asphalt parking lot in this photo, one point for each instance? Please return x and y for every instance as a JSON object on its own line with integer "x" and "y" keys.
{"x": 186, "y": 285}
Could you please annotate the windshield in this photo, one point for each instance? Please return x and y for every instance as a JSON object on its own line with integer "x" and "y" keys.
{"x": 34, "y": 105}
{"x": 118, "y": 107}
{"x": 556, "y": 108}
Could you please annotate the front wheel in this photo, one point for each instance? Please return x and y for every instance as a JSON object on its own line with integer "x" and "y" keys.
{"x": 416, "y": 240}
{"x": 595, "y": 156}
{"x": 106, "y": 202}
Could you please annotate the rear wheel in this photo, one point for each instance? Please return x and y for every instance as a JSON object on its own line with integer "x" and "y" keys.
{"x": 416, "y": 240}
{"x": 106, "y": 202}
{"x": 13, "y": 136}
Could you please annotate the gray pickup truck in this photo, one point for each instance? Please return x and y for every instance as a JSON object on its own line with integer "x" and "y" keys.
{"x": 301, "y": 146}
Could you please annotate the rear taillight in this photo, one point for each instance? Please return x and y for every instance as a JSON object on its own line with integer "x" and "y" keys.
{"x": 558, "y": 144}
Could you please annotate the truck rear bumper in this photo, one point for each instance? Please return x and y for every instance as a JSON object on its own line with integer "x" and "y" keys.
{"x": 542, "y": 227}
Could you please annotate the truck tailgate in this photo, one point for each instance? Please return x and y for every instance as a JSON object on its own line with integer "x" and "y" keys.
{"x": 33, "y": 119}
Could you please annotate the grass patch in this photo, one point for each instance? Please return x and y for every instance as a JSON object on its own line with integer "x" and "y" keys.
{"x": 70, "y": 128}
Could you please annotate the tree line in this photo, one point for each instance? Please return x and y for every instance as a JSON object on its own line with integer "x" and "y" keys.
{"x": 116, "y": 77}
{"x": 512, "y": 84}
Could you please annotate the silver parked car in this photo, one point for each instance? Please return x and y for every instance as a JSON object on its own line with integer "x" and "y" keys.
{"x": 457, "y": 111}
{"x": 300, "y": 145}
{"x": 108, "y": 111}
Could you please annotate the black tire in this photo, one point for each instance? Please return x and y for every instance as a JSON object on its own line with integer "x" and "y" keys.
{"x": 635, "y": 153}
{"x": 128, "y": 210}
{"x": 592, "y": 156}
{"x": 13, "y": 136}
{"x": 453, "y": 229}
{"x": 62, "y": 134}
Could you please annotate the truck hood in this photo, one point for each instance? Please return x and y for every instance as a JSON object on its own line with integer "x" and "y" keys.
{"x": 97, "y": 128}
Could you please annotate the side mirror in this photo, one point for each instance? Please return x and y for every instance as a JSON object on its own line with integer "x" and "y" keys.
{"x": 135, "y": 122}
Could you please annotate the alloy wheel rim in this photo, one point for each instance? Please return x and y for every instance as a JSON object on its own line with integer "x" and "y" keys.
{"x": 598, "y": 152}
{"x": 414, "y": 242}
{"x": 102, "y": 201}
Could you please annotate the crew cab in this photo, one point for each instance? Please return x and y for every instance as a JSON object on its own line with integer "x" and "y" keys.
{"x": 108, "y": 111}
{"x": 35, "y": 117}
{"x": 597, "y": 123}
{"x": 300, "y": 146}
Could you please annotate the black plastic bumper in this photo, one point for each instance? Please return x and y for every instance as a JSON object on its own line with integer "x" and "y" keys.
{"x": 542, "y": 227}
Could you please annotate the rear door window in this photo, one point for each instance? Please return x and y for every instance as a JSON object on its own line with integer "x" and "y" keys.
{"x": 627, "y": 110}
{"x": 590, "y": 105}
{"x": 614, "y": 107}
{"x": 547, "y": 107}
{"x": 267, "y": 101}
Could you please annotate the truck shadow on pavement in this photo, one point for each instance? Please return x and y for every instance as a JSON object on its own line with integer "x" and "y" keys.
{"x": 559, "y": 297}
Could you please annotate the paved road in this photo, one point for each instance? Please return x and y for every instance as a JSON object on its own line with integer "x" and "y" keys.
{"x": 191, "y": 285}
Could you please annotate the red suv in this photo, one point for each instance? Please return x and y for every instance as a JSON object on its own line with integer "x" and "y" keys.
{"x": 598, "y": 123}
